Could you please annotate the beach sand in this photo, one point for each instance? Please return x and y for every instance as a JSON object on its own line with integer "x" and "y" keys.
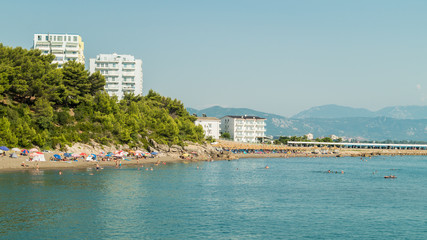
{"x": 7, "y": 163}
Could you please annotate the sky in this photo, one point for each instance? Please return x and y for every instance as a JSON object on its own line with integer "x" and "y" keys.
{"x": 280, "y": 57}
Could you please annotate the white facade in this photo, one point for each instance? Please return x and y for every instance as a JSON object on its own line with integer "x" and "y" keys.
{"x": 244, "y": 128}
{"x": 210, "y": 126}
{"x": 123, "y": 73}
{"x": 309, "y": 136}
{"x": 65, "y": 47}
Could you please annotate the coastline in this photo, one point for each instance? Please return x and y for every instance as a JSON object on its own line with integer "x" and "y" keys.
{"x": 14, "y": 164}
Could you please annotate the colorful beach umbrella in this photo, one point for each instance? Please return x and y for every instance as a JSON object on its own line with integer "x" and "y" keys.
{"x": 25, "y": 151}
{"x": 67, "y": 155}
{"x": 57, "y": 156}
{"x": 4, "y": 148}
{"x": 34, "y": 150}
{"x": 83, "y": 154}
{"x": 75, "y": 155}
{"x": 16, "y": 149}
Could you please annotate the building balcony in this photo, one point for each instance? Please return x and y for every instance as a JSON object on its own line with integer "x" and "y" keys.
{"x": 111, "y": 73}
{"x": 128, "y": 88}
{"x": 128, "y": 68}
{"x": 112, "y": 87}
{"x": 128, "y": 74}
{"x": 71, "y": 55}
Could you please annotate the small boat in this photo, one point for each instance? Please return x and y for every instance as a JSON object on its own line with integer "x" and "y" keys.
{"x": 390, "y": 176}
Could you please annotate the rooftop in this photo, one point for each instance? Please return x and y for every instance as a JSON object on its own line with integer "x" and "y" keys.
{"x": 244, "y": 117}
{"x": 208, "y": 118}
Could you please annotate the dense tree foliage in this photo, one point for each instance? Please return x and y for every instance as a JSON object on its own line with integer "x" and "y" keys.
{"x": 49, "y": 107}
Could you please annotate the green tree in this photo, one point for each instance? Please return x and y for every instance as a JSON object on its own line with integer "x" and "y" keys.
{"x": 226, "y": 135}
{"x": 97, "y": 82}
{"x": 43, "y": 112}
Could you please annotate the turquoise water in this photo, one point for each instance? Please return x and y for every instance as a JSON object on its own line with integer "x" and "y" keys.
{"x": 293, "y": 199}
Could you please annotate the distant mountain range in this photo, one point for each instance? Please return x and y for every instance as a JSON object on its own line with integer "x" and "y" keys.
{"x": 394, "y": 123}
{"x": 335, "y": 111}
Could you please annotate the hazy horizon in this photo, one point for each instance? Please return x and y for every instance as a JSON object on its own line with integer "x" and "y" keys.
{"x": 280, "y": 57}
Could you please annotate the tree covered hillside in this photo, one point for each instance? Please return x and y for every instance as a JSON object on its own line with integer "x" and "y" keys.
{"x": 49, "y": 107}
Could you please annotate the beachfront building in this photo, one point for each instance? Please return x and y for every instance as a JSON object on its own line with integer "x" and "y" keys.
{"x": 65, "y": 47}
{"x": 123, "y": 73}
{"x": 210, "y": 126}
{"x": 309, "y": 136}
{"x": 249, "y": 129}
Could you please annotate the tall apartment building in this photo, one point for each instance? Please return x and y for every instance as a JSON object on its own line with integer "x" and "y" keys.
{"x": 65, "y": 47}
{"x": 123, "y": 73}
{"x": 210, "y": 126}
{"x": 248, "y": 129}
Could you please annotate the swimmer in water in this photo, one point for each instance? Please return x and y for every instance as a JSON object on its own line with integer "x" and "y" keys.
{"x": 267, "y": 167}
{"x": 60, "y": 173}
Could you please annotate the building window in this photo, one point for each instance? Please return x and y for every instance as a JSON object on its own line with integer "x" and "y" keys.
{"x": 75, "y": 38}
{"x": 39, "y": 37}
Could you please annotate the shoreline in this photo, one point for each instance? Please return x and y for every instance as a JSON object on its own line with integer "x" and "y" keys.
{"x": 8, "y": 164}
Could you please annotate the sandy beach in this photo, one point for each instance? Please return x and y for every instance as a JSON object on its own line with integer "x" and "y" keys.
{"x": 10, "y": 164}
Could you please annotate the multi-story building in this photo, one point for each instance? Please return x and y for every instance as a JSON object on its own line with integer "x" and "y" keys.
{"x": 210, "y": 126}
{"x": 123, "y": 73}
{"x": 65, "y": 47}
{"x": 249, "y": 129}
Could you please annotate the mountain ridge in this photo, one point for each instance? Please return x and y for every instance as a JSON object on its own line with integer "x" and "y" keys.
{"x": 376, "y": 128}
{"x": 337, "y": 111}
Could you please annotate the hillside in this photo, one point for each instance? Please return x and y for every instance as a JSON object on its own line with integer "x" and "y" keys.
{"x": 368, "y": 128}
{"x": 41, "y": 105}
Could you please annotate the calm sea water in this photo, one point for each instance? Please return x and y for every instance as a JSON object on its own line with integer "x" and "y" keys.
{"x": 293, "y": 199}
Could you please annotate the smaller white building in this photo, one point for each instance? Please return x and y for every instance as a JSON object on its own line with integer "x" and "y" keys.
{"x": 309, "y": 136}
{"x": 210, "y": 126}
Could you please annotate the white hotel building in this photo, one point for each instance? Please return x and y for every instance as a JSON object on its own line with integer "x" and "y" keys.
{"x": 210, "y": 126}
{"x": 65, "y": 47}
{"x": 123, "y": 73}
{"x": 247, "y": 129}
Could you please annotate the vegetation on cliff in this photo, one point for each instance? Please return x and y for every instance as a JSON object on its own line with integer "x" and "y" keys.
{"x": 49, "y": 107}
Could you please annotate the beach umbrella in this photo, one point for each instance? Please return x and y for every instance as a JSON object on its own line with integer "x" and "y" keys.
{"x": 109, "y": 155}
{"x": 16, "y": 149}
{"x": 40, "y": 153}
{"x": 83, "y": 154}
{"x": 4, "y": 148}
{"x": 154, "y": 153}
{"x": 67, "y": 155}
{"x": 57, "y": 156}
{"x": 93, "y": 156}
{"x": 25, "y": 151}
{"x": 34, "y": 150}
{"x": 75, "y": 155}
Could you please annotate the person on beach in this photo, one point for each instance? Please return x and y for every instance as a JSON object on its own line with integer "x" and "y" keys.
{"x": 97, "y": 166}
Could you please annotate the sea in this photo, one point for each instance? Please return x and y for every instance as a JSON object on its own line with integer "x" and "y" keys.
{"x": 294, "y": 198}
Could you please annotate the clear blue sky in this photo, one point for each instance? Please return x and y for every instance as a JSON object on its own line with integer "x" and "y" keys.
{"x": 275, "y": 56}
